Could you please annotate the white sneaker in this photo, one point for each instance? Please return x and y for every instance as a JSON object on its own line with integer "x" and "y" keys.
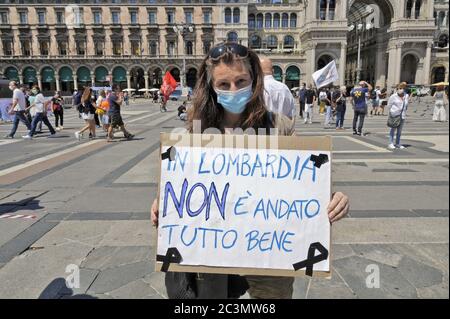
{"x": 58, "y": 129}
{"x": 61, "y": 128}
{"x": 305, "y": 121}
{"x": 391, "y": 146}
{"x": 401, "y": 147}
{"x": 78, "y": 135}
{"x": 27, "y": 137}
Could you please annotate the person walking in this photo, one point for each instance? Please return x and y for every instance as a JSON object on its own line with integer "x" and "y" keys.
{"x": 18, "y": 108}
{"x": 328, "y": 108}
{"x": 339, "y": 100}
{"x": 397, "y": 107}
{"x": 310, "y": 99}
{"x": 302, "y": 99}
{"x": 440, "y": 102}
{"x": 88, "y": 112}
{"x": 41, "y": 105}
{"x": 115, "y": 101}
{"x": 321, "y": 101}
{"x": 103, "y": 109}
{"x": 358, "y": 95}
{"x": 277, "y": 96}
{"x": 230, "y": 95}
{"x": 375, "y": 98}
{"x": 58, "y": 111}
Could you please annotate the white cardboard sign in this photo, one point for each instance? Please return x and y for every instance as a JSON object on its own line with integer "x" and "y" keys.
{"x": 245, "y": 208}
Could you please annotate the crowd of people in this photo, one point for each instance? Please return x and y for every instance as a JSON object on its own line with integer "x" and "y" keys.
{"x": 30, "y": 107}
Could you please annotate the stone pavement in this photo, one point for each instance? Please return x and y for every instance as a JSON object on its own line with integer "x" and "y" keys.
{"x": 90, "y": 206}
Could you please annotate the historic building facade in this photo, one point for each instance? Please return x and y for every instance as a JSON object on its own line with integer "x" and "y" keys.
{"x": 62, "y": 45}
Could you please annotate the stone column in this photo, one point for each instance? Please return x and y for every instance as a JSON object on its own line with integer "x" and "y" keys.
{"x": 313, "y": 62}
{"x": 16, "y": 43}
{"x": 283, "y": 77}
{"x": 75, "y": 82}
{"x": 58, "y": 87}
{"x": 342, "y": 63}
{"x": 391, "y": 66}
{"x": 398, "y": 65}
{"x": 146, "y": 82}
{"x": 21, "y": 79}
{"x": 39, "y": 78}
{"x": 427, "y": 64}
{"x": 126, "y": 42}
{"x": 380, "y": 67}
{"x": 128, "y": 80}
{"x": 92, "y": 79}
{"x": 35, "y": 43}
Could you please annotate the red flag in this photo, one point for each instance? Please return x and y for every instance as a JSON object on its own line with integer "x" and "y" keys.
{"x": 169, "y": 85}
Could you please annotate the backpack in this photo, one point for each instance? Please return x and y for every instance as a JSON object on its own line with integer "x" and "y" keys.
{"x": 373, "y": 95}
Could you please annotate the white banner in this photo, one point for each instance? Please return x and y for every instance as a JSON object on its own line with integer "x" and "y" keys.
{"x": 326, "y": 75}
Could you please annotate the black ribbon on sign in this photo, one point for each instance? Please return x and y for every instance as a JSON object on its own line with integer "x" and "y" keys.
{"x": 169, "y": 154}
{"x": 172, "y": 256}
{"x": 312, "y": 259}
{"x": 319, "y": 160}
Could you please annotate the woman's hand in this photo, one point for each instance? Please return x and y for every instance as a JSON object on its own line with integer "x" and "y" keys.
{"x": 338, "y": 207}
{"x": 154, "y": 212}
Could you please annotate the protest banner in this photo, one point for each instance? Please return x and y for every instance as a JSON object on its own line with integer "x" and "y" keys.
{"x": 244, "y": 204}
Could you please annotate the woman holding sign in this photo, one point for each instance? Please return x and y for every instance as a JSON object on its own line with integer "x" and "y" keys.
{"x": 230, "y": 95}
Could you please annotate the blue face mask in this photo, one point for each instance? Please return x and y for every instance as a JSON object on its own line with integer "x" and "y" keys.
{"x": 234, "y": 101}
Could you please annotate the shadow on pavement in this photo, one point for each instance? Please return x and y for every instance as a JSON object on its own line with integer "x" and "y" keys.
{"x": 57, "y": 289}
{"x": 29, "y": 203}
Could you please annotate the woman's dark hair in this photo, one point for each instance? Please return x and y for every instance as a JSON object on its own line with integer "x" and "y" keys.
{"x": 36, "y": 87}
{"x": 205, "y": 106}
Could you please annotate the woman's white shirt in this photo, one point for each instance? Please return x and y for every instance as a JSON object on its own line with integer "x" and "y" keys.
{"x": 395, "y": 105}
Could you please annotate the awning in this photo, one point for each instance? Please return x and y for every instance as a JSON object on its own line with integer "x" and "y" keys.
{"x": 277, "y": 73}
{"x": 293, "y": 74}
{"x": 65, "y": 74}
{"x": 119, "y": 75}
{"x": 48, "y": 75}
{"x": 29, "y": 75}
{"x": 12, "y": 74}
{"x": 100, "y": 74}
{"x": 83, "y": 74}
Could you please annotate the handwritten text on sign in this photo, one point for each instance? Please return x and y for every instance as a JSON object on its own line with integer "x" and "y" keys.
{"x": 246, "y": 208}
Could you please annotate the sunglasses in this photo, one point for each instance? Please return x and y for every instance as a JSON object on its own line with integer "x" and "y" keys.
{"x": 234, "y": 48}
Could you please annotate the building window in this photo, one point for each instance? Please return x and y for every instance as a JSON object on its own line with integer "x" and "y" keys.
{"x": 443, "y": 41}
{"x": 133, "y": 17}
{"x": 115, "y": 17}
{"x": 79, "y": 17}
{"x": 170, "y": 17}
{"x": 26, "y": 47}
{"x": 331, "y": 9}
{"x": 153, "y": 48}
{"x": 171, "y": 48}
{"x": 4, "y": 17}
{"x": 188, "y": 17}
{"x": 268, "y": 21}
{"x": 41, "y": 17}
{"x": 152, "y": 17}
{"x": 288, "y": 42}
{"x": 117, "y": 47}
{"x": 255, "y": 42}
{"x": 413, "y": 9}
{"x": 81, "y": 47}
{"x": 99, "y": 45}
{"x": 23, "y": 17}
{"x": 97, "y": 17}
{"x": 259, "y": 21}
{"x": 285, "y": 21}
{"x": 417, "y": 11}
{"x": 236, "y": 15}
{"x": 293, "y": 22}
{"x": 62, "y": 47}
{"x": 206, "y": 46}
{"x": 227, "y": 15}
{"x": 135, "y": 48}
{"x": 207, "y": 17}
{"x": 251, "y": 21}
{"x": 7, "y": 48}
{"x": 272, "y": 41}
{"x": 276, "y": 21}
{"x": 43, "y": 46}
{"x": 60, "y": 17}
{"x": 232, "y": 37}
{"x": 189, "y": 48}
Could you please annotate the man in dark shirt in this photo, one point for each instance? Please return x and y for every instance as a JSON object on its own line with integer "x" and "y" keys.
{"x": 310, "y": 98}
{"x": 359, "y": 105}
{"x": 115, "y": 101}
{"x": 340, "y": 106}
{"x": 302, "y": 99}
